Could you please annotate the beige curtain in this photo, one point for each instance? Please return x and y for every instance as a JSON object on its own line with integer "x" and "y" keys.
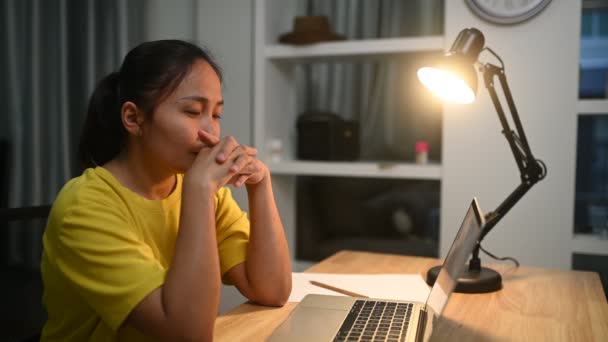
{"x": 54, "y": 51}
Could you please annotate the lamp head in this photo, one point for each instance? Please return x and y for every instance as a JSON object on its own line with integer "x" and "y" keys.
{"x": 454, "y": 78}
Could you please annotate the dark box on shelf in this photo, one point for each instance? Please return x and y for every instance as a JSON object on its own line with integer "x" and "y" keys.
{"x": 326, "y": 136}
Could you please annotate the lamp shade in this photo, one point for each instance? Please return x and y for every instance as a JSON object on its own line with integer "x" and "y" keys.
{"x": 454, "y": 78}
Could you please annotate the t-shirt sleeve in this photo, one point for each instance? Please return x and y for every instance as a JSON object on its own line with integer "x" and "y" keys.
{"x": 232, "y": 232}
{"x": 94, "y": 247}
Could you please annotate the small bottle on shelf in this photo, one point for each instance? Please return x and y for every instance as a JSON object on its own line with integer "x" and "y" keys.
{"x": 275, "y": 150}
{"x": 422, "y": 152}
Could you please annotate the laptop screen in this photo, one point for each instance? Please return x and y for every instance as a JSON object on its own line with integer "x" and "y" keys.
{"x": 455, "y": 261}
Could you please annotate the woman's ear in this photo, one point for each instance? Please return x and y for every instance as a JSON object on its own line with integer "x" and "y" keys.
{"x": 132, "y": 118}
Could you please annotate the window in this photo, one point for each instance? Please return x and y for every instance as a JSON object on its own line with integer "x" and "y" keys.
{"x": 594, "y": 50}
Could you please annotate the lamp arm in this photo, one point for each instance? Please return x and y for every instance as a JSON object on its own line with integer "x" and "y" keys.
{"x": 531, "y": 169}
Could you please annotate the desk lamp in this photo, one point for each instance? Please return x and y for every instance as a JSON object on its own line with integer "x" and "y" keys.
{"x": 454, "y": 79}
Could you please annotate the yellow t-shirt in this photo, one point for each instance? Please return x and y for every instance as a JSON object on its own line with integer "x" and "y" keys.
{"x": 106, "y": 248}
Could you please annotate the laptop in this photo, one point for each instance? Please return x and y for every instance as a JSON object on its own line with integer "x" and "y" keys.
{"x": 337, "y": 318}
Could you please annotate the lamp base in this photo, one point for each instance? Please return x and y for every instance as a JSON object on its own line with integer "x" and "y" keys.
{"x": 486, "y": 280}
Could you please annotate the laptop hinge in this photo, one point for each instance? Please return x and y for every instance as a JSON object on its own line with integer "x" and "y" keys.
{"x": 421, "y": 325}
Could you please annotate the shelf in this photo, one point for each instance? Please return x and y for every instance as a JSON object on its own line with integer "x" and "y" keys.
{"x": 599, "y": 106}
{"x": 356, "y": 48}
{"x": 589, "y": 244}
{"x": 357, "y": 169}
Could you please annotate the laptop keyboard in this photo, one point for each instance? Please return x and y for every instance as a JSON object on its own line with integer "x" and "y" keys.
{"x": 375, "y": 321}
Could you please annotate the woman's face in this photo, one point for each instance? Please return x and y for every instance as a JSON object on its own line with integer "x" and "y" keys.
{"x": 170, "y": 136}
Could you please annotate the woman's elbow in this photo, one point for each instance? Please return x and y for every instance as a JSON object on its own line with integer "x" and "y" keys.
{"x": 278, "y": 296}
{"x": 271, "y": 301}
{"x": 281, "y": 299}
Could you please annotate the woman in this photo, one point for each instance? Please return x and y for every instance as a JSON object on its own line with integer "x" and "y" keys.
{"x": 136, "y": 246}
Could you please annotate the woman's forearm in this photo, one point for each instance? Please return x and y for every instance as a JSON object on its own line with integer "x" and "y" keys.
{"x": 268, "y": 266}
{"x": 191, "y": 291}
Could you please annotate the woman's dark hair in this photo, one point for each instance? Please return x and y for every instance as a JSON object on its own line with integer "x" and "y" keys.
{"x": 149, "y": 73}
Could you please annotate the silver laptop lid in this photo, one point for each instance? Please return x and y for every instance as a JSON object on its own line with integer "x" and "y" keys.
{"x": 455, "y": 261}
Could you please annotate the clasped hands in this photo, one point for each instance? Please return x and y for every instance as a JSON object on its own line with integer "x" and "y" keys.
{"x": 225, "y": 161}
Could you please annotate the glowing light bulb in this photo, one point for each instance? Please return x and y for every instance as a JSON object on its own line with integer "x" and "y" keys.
{"x": 446, "y": 85}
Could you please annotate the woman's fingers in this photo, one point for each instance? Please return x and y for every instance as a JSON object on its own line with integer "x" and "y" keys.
{"x": 229, "y": 148}
{"x": 241, "y": 180}
{"x": 242, "y": 150}
{"x": 243, "y": 167}
{"x": 238, "y": 179}
{"x": 246, "y": 170}
{"x": 208, "y": 138}
{"x": 250, "y": 168}
{"x": 227, "y": 145}
{"x": 251, "y": 173}
{"x": 241, "y": 162}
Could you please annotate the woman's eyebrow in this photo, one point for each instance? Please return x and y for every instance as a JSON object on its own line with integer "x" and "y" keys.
{"x": 200, "y": 99}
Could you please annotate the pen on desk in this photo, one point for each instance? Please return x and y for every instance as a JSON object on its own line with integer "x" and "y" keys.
{"x": 337, "y": 289}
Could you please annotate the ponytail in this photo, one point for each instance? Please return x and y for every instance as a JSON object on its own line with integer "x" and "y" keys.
{"x": 103, "y": 133}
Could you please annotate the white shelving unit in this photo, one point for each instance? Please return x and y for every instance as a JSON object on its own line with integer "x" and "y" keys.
{"x": 275, "y": 111}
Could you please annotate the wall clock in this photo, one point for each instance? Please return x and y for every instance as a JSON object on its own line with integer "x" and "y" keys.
{"x": 507, "y": 11}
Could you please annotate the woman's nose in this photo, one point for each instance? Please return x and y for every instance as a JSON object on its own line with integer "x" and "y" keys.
{"x": 208, "y": 124}
{"x": 210, "y": 129}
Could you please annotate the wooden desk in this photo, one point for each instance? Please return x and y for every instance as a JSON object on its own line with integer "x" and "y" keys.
{"x": 535, "y": 304}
